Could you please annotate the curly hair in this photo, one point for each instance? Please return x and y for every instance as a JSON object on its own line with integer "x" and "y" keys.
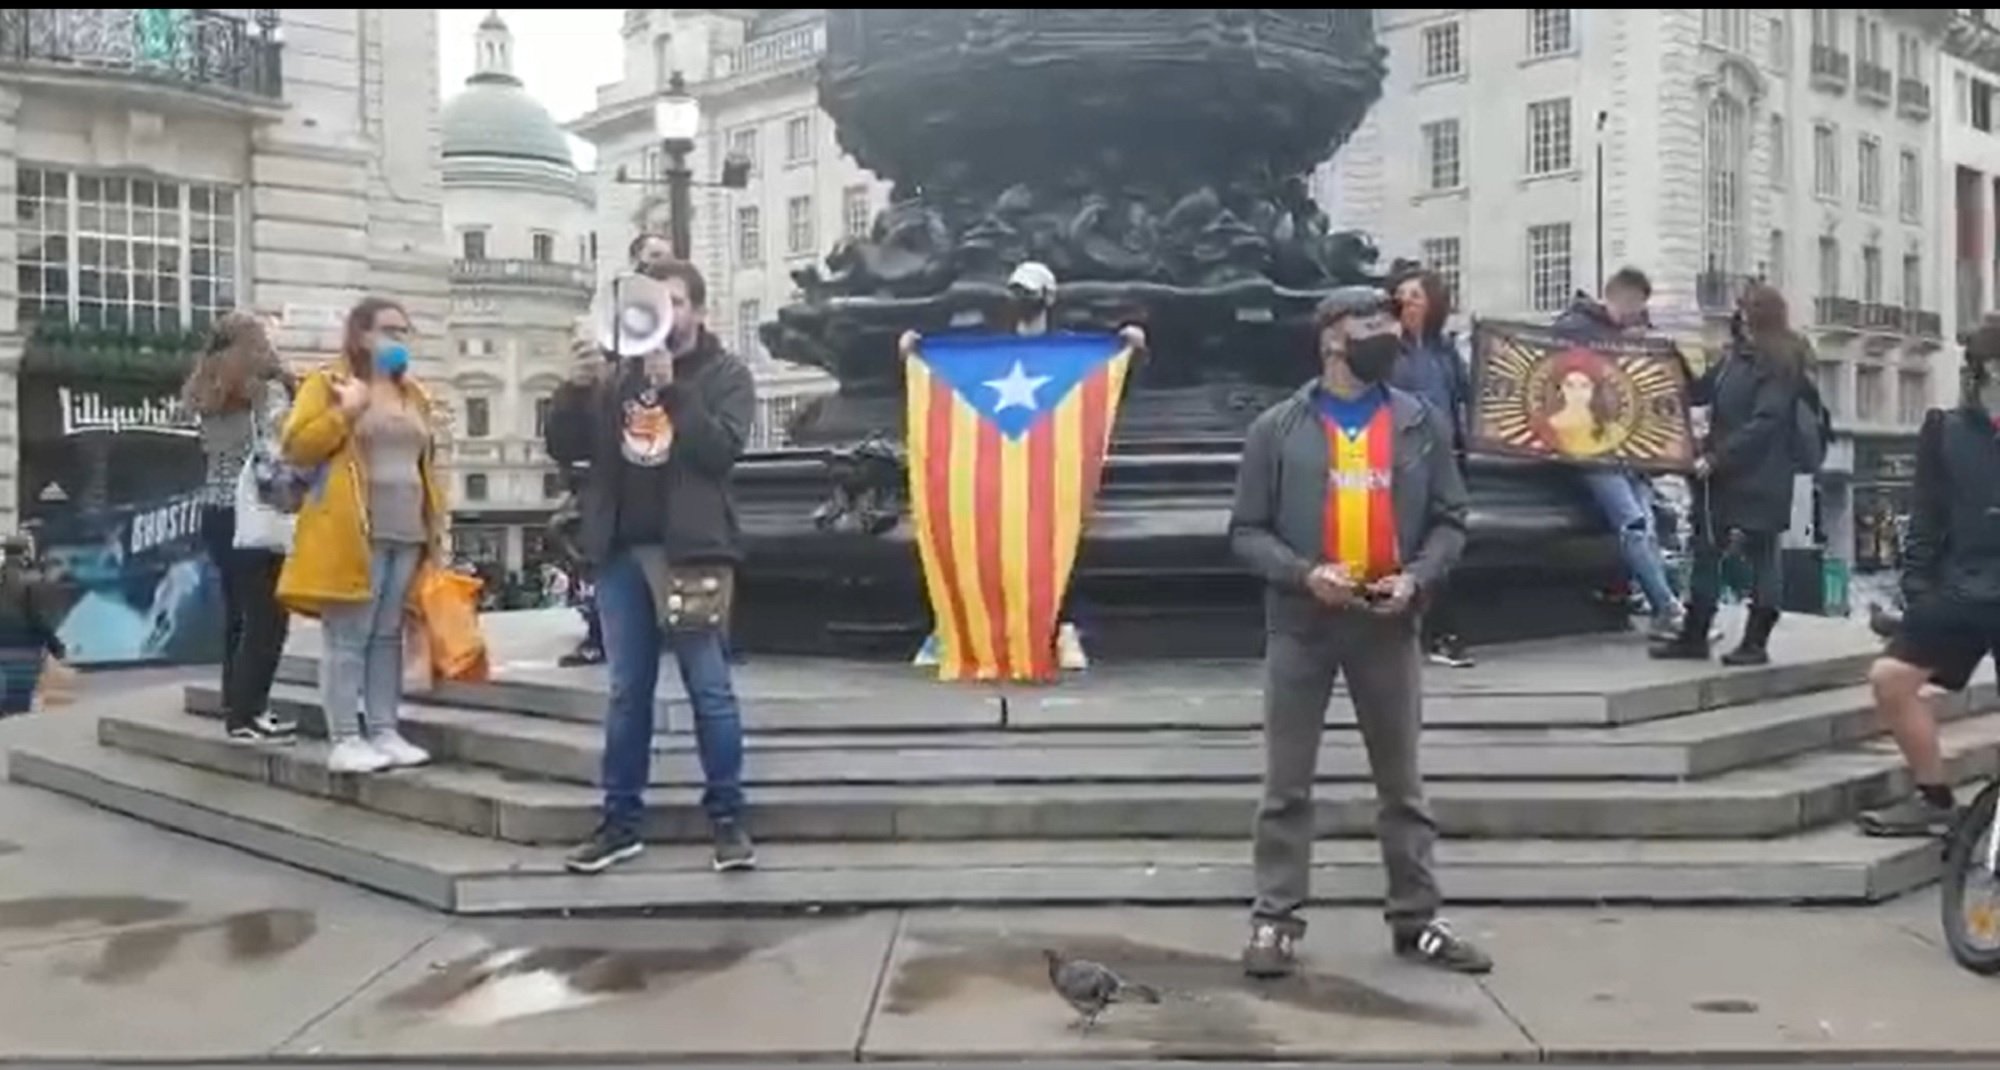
{"x": 239, "y": 353}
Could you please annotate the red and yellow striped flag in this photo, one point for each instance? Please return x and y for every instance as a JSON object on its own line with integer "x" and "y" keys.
{"x": 1358, "y": 524}
{"x": 1007, "y": 440}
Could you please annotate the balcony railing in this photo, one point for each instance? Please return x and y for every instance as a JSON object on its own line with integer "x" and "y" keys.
{"x": 1923, "y": 324}
{"x": 1913, "y": 98}
{"x": 773, "y": 51}
{"x": 1873, "y": 82}
{"x": 1878, "y": 317}
{"x": 1836, "y": 312}
{"x": 1829, "y": 66}
{"x": 522, "y": 273}
{"x": 1717, "y": 291}
{"x": 191, "y": 46}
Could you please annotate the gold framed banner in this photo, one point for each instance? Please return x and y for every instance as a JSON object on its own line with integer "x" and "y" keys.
{"x": 1597, "y": 401}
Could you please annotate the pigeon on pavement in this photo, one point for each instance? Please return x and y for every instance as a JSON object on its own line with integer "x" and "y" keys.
{"x": 1091, "y": 987}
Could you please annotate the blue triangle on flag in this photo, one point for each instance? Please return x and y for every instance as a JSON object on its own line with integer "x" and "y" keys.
{"x": 1013, "y": 380}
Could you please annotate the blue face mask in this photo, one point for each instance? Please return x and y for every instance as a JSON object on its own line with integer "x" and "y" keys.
{"x": 392, "y": 359}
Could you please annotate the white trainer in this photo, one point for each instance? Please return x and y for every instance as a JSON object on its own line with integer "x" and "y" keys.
{"x": 400, "y": 752}
{"x": 356, "y": 755}
{"x": 1069, "y": 649}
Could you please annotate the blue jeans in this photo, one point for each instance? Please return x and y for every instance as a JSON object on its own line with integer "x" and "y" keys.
{"x": 362, "y": 663}
{"x": 1627, "y": 503}
{"x": 633, "y": 640}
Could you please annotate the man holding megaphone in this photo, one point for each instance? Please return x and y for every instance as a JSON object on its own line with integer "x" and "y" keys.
{"x": 660, "y": 420}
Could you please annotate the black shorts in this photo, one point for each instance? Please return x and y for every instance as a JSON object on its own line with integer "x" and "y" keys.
{"x": 1948, "y": 638}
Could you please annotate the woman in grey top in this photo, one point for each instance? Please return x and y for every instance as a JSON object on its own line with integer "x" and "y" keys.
{"x": 239, "y": 391}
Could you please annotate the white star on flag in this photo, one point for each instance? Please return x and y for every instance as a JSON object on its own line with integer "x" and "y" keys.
{"x": 1017, "y": 390}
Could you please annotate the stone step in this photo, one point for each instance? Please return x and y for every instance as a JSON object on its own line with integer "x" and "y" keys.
{"x": 473, "y": 875}
{"x": 1783, "y": 798}
{"x": 1581, "y": 682}
{"x": 1686, "y": 747}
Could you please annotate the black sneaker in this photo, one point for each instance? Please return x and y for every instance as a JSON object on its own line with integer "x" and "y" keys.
{"x": 263, "y": 728}
{"x": 1272, "y": 953}
{"x": 1449, "y": 651}
{"x": 733, "y": 849}
{"x": 606, "y": 849}
{"x": 1914, "y": 818}
{"x": 1436, "y": 945}
{"x": 584, "y": 654}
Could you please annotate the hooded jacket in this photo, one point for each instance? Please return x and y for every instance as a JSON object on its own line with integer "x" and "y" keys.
{"x": 1952, "y": 550}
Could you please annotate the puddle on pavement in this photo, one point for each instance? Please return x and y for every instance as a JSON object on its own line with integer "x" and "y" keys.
{"x": 8, "y": 848}
{"x": 55, "y": 911}
{"x": 495, "y": 986}
{"x": 1191, "y": 1017}
{"x": 1726, "y": 1006}
{"x": 247, "y": 938}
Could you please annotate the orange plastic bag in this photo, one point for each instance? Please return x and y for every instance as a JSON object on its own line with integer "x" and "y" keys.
{"x": 449, "y": 602}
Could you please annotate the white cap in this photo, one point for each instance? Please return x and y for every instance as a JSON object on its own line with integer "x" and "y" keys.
{"x": 1033, "y": 277}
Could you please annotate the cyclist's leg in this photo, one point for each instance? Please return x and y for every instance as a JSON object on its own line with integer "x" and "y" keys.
{"x": 1939, "y": 644}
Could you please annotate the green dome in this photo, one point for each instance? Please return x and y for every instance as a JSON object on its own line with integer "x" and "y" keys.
{"x": 494, "y": 116}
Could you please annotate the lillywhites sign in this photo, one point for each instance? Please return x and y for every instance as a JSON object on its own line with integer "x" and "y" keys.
{"x": 85, "y": 411}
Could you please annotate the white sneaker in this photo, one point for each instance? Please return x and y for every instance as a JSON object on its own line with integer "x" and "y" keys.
{"x": 927, "y": 655}
{"x": 356, "y": 756}
{"x": 1069, "y": 648}
{"x": 399, "y": 752}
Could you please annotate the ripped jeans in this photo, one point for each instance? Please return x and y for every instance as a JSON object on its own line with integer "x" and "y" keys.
{"x": 1627, "y": 502}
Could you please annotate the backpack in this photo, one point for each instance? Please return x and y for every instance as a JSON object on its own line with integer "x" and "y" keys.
{"x": 1812, "y": 431}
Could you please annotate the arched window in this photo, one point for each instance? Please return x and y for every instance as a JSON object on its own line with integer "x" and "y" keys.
{"x": 1723, "y": 168}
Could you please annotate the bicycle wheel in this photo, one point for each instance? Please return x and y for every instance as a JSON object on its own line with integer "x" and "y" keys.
{"x": 1971, "y": 899}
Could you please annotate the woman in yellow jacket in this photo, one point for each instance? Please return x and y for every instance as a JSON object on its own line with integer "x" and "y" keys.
{"x": 374, "y": 513}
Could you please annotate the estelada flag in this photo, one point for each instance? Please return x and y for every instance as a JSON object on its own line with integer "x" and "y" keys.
{"x": 1007, "y": 439}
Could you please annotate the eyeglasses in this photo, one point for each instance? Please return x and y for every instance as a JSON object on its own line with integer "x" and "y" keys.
{"x": 400, "y": 334}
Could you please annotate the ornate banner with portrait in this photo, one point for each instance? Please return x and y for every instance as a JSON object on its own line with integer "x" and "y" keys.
{"x": 1592, "y": 402}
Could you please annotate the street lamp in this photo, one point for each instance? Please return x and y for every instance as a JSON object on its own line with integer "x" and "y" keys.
{"x": 677, "y": 123}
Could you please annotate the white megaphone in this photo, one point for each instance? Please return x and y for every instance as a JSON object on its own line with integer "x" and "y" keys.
{"x": 634, "y": 314}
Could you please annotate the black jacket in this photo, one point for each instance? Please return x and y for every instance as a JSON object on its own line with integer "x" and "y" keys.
{"x": 1953, "y": 546}
{"x": 1749, "y": 444}
{"x": 712, "y": 402}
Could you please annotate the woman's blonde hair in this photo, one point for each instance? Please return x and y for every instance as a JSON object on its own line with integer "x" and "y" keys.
{"x": 239, "y": 353}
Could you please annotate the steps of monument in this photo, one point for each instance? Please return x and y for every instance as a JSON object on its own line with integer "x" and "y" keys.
{"x": 1582, "y": 682}
{"x": 1774, "y": 800}
{"x": 476, "y": 875}
{"x": 1691, "y": 746}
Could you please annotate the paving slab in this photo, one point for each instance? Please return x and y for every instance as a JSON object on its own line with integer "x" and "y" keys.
{"x": 716, "y": 988}
{"x": 974, "y": 985}
{"x": 1732, "y": 984}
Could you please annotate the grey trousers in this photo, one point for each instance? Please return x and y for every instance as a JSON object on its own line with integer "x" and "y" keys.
{"x": 1381, "y": 660}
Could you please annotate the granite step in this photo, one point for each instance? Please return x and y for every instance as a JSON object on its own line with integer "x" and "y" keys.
{"x": 1687, "y": 747}
{"x": 1610, "y": 683}
{"x": 467, "y": 874}
{"x": 1774, "y": 800}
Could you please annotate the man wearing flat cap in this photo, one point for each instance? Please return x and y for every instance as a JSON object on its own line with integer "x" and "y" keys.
{"x": 1350, "y": 505}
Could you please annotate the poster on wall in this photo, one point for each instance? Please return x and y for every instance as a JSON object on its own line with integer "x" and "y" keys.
{"x": 1621, "y": 401}
{"x": 111, "y": 473}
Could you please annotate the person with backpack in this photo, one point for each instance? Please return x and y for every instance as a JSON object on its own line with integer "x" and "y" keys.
{"x": 1743, "y": 475}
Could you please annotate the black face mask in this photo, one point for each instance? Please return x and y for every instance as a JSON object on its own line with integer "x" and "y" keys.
{"x": 1371, "y": 358}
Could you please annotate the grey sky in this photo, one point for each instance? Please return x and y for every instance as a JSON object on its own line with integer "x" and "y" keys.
{"x": 561, "y": 54}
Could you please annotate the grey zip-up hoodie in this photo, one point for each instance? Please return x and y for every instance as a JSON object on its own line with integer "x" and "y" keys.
{"x": 1275, "y": 526}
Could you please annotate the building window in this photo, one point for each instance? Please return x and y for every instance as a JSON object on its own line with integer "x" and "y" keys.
{"x": 1913, "y": 281}
{"x": 1871, "y": 402}
{"x": 475, "y": 486}
{"x": 1826, "y": 28}
{"x": 475, "y": 347}
{"x": 799, "y": 225}
{"x": 1723, "y": 185}
{"x": 1910, "y": 198}
{"x": 1781, "y": 156}
{"x": 552, "y": 487}
{"x": 1726, "y": 28}
{"x": 543, "y": 406}
{"x": 1829, "y": 376}
{"x": 478, "y": 417}
{"x": 1981, "y": 95}
{"x": 1548, "y": 267}
{"x": 1829, "y": 266}
{"x": 473, "y": 245}
{"x": 1780, "y": 31}
{"x": 1549, "y": 32}
{"x": 749, "y": 235}
{"x": 799, "y": 138}
{"x": 1826, "y": 161}
{"x": 1775, "y": 267}
{"x": 1868, "y": 180}
{"x": 1441, "y": 160}
{"x": 771, "y": 427}
{"x": 122, "y": 253}
{"x": 1913, "y": 398}
{"x": 544, "y": 247}
{"x": 854, "y": 211}
{"x": 1548, "y": 137}
{"x": 1442, "y": 256}
{"x": 1909, "y": 57}
{"x": 749, "y": 316}
{"x": 1442, "y": 58}
{"x": 663, "y": 60}
{"x": 743, "y": 143}
{"x": 1871, "y": 274}
{"x": 1868, "y": 40}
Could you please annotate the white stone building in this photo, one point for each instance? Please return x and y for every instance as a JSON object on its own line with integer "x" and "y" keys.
{"x": 1968, "y": 178}
{"x": 1799, "y": 145}
{"x": 518, "y": 218}
{"x": 169, "y": 164}
{"x": 753, "y": 71}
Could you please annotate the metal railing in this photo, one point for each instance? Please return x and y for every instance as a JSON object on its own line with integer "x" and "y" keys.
{"x": 522, "y": 272}
{"x": 1717, "y": 291}
{"x": 1913, "y": 97}
{"x": 1874, "y": 81}
{"x": 1923, "y": 324}
{"x": 773, "y": 50}
{"x": 192, "y": 46}
{"x": 1879, "y": 317}
{"x": 1836, "y": 312}
{"x": 1829, "y": 64}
